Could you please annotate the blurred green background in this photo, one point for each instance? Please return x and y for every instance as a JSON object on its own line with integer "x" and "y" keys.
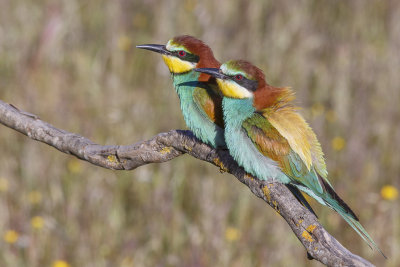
{"x": 73, "y": 63}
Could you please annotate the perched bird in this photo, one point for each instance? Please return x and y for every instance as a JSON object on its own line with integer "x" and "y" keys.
{"x": 270, "y": 140}
{"x": 200, "y": 102}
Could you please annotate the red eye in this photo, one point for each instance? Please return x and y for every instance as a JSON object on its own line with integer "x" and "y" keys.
{"x": 182, "y": 53}
{"x": 238, "y": 77}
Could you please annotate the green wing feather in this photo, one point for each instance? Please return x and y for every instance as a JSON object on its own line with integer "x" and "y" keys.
{"x": 287, "y": 139}
{"x": 270, "y": 142}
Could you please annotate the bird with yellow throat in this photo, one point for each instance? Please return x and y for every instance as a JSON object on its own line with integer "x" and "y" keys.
{"x": 268, "y": 137}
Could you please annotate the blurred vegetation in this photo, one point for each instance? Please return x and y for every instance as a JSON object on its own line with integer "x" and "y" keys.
{"x": 73, "y": 63}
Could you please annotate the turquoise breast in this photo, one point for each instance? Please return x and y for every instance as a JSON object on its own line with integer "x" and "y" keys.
{"x": 240, "y": 145}
{"x": 196, "y": 119}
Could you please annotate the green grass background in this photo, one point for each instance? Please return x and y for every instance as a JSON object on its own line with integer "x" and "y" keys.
{"x": 73, "y": 63}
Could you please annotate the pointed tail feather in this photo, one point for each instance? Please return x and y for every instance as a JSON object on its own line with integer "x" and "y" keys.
{"x": 356, "y": 225}
{"x": 340, "y": 204}
{"x": 335, "y": 202}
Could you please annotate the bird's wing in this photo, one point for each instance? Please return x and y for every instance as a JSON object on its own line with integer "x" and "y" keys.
{"x": 210, "y": 103}
{"x": 302, "y": 139}
{"x": 286, "y": 138}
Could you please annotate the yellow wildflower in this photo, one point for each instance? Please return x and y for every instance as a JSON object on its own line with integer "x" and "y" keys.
{"x": 74, "y": 166}
{"x": 127, "y": 262}
{"x": 37, "y": 222}
{"x": 190, "y": 5}
{"x": 35, "y": 197}
{"x": 124, "y": 43}
{"x": 389, "y": 192}
{"x": 338, "y": 143}
{"x": 232, "y": 234}
{"x": 11, "y": 236}
{"x": 317, "y": 109}
{"x": 331, "y": 116}
{"x": 3, "y": 184}
{"x": 140, "y": 20}
{"x": 60, "y": 263}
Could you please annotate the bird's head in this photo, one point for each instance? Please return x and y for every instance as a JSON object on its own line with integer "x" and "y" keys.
{"x": 242, "y": 80}
{"x": 237, "y": 78}
{"x": 184, "y": 53}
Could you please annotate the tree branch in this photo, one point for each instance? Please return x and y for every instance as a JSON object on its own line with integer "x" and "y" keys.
{"x": 163, "y": 147}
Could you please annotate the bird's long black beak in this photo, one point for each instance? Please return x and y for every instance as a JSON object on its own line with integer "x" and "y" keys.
{"x": 213, "y": 72}
{"x": 155, "y": 48}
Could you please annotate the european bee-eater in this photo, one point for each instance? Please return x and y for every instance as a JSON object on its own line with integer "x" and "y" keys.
{"x": 200, "y": 103}
{"x": 268, "y": 137}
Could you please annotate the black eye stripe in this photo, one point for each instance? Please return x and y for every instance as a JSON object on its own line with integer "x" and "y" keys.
{"x": 188, "y": 57}
{"x": 246, "y": 83}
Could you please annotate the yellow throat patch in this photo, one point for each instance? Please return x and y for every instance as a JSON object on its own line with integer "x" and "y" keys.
{"x": 232, "y": 89}
{"x": 175, "y": 65}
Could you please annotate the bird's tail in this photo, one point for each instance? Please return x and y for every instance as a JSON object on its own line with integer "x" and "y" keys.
{"x": 332, "y": 200}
